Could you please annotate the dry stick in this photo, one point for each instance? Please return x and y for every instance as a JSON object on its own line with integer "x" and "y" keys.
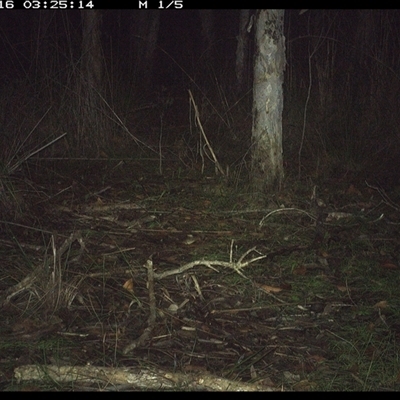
{"x": 27, "y": 157}
{"x": 152, "y": 318}
{"x": 231, "y": 251}
{"x": 236, "y": 266}
{"x": 24, "y": 141}
{"x": 160, "y": 145}
{"x": 303, "y": 133}
{"x": 27, "y": 284}
{"x": 386, "y": 199}
{"x": 122, "y": 125}
{"x": 196, "y": 85}
{"x": 26, "y": 227}
{"x": 280, "y": 210}
{"x": 55, "y": 277}
{"x": 197, "y": 116}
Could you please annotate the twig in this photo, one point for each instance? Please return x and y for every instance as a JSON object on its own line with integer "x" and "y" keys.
{"x": 20, "y": 146}
{"x": 279, "y": 210}
{"x": 197, "y": 116}
{"x": 41, "y": 272}
{"x": 122, "y": 125}
{"x": 152, "y": 317}
{"x": 28, "y": 156}
{"x": 386, "y": 199}
{"x": 236, "y": 266}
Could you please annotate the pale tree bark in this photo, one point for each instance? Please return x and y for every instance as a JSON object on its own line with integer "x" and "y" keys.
{"x": 269, "y": 64}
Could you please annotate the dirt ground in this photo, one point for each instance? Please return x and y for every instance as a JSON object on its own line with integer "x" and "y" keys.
{"x": 112, "y": 265}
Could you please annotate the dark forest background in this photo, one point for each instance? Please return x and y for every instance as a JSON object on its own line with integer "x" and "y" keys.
{"x": 341, "y": 89}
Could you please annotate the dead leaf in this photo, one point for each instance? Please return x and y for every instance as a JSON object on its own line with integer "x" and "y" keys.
{"x": 171, "y": 259}
{"x": 381, "y": 304}
{"x": 190, "y": 239}
{"x": 128, "y": 285}
{"x": 173, "y": 308}
{"x": 290, "y": 377}
{"x": 371, "y": 326}
{"x": 301, "y": 270}
{"x": 341, "y": 288}
{"x": 316, "y": 358}
{"x": 305, "y": 385}
{"x": 354, "y": 369}
{"x": 324, "y": 254}
{"x": 336, "y": 216}
{"x": 387, "y": 264}
{"x": 270, "y": 289}
{"x": 364, "y": 205}
{"x": 194, "y": 368}
{"x": 372, "y": 352}
{"x": 353, "y": 190}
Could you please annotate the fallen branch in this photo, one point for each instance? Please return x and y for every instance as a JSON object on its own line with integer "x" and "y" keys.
{"x": 386, "y": 199}
{"x": 236, "y": 266}
{"x": 138, "y": 379}
{"x": 153, "y": 311}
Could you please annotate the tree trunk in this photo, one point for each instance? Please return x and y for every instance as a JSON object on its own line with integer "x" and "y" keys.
{"x": 42, "y": 47}
{"x": 242, "y": 50}
{"x": 269, "y": 65}
{"x": 144, "y": 36}
{"x": 207, "y": 32}
{"x": 92, "y": 133}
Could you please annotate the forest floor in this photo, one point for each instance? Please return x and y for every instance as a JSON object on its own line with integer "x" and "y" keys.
{"x": 116, "y": 270}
